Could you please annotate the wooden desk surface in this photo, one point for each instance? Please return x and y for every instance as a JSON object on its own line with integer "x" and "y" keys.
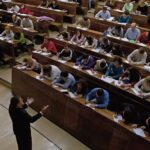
{"x": 127, "y": 95}
{"x": 94, "y": 128}
{"x": 126, "y": 46}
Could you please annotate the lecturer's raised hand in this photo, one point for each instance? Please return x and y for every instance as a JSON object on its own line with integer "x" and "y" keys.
{"x": 29, "y": 101}
{"x": 43, "y": 110}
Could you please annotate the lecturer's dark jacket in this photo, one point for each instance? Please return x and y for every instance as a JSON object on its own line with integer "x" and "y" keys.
{"x": 21, "y": 123}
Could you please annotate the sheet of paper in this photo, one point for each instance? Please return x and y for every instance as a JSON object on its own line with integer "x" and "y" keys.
{"x": 88, "y": 105}
{"x": 110, "y": 19}
{"x": 141, "y": 44}
{"x": 118, "y": 83}
{"x": 76, "y": 67}
{"x": 96, "y": 50}
{"x": 107, "y": 79}
{"x": 63, "y": 90}
{"x": 39, "y": 78}
{"x": 62, "y": 61}
{"x": 117, "y": 118}
{"x": 90, "y": 72}
{"x": 72, "y": 95}
{"x": 135, "y": 91}
{"x": 124, "y": 39}
{"x": 21, "y": 67}
{"x": 38, "y": 52}
{"x": 45, "y": 53}
{"x": 139, "y": 131}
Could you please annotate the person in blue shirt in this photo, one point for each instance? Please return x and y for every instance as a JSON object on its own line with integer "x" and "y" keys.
{"x": 124, "y": 18}
{"x": 115, "y": 68}
{"x": 98, "y": 98}
{"x": 85, "y": 61}
{"x": 103, "y": 14}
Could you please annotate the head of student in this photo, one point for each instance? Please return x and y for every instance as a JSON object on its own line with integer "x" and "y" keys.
{"x": 147, "y": 81}
{"x": 65, "y": 35}
{"x": 7, "y": 29}
{"x": 64, "y": 75}
{"x": 79, "y": 33}
{"x": 99, "y": 92}
{"x": 22, "y": 6}
{"x": 115, "y": 47}
{"x": 141, "y": 50}
{"x": 85, "y": 18}
{"x": 104, "y": 40}
{"x": 118, "y": 27}
{"x": 66, "y": 48}
{"x": 14, "y": 16}
{"x": 27, "y": 61}
{"x": 26, "y": 17}
{"x": 89, "y": 40}
{"x": 148, "y": 34}
{"x": 148, "y": 124}
{"x": 126, "y": 14}
{"x": 128, "y": 1}
{"x": 103, "y": 64}
{"x": 81, "y": 84}
{"x": 133, "y": 26}
{"x": 104, "y": 9}
{"x": 15, "y": 102}
{"x": 134, "y": 75}
{"x": 117, "y": 61}
{"x": 53, "y": 2}
{"x": 47, "y": 70}
{"x": 46, "y": 39}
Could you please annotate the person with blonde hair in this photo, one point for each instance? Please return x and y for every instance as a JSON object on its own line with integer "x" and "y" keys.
{"x": 32, "y": 64}
{"x": 7, "y": 33}
{"x": 143, "y": 87}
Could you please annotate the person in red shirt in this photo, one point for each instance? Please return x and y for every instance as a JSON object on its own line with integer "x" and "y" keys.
{"x": 144, "y": 38}
{"x": 25, "y": 10}
{"x": 49, "y": 45}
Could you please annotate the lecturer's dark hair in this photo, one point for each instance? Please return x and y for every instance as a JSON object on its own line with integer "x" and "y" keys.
{"x": 13, "y": 102}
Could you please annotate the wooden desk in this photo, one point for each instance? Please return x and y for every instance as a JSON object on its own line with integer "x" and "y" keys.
{"x": 126, "y": 46}
{"x": 119, "y": 95}
{"x": 94, "y": 128}
{"x": 28, "y": 32}
{"x": 60, "y": 45}
{"x": 139, "y": 19}
{"x": 102, "y": 25}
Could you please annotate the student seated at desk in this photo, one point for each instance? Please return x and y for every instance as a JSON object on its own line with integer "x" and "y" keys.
{"x": 49, "y": 46}
{"x": 14, "y": 8}
{"x": 31, "y": 64}
{"x": 138, "y": 56}
{"x": 7, "y": 34}
{"x": 129, "y": 78}
{"x": 44, "y": 3}
{"x": 132, "y": 33}
{"x": 65, "y": 81}
{"x": 115, "y": 31}
{"x": 78, "y": 38}
{"x": 53, "y": 5}
{"x": 128, "y": 6}
{"x": 22, "y": 43}
{"x": 103, "y": 14}
{"x": 51, "y": 72}
{"x": 144, "y": 38}
{"x": 80, "y": 88}
{"x": 98, "y": 98}
{"x": 143, "y": 87}
{"x": 110, "y": 3}
{"x": 129, "y": 113}
{"x": 124, "y": 18}
{"x": 25, "y": 10}
{"x": 115, "y": 69}
{"x": 101, "y": 66}
{"x": 84, "y": 22}
{"x": 64, "y": 35}
{"x": 104, "y": 44}
{"x": 90, "y": 42}
{"x": 142, "y": 7}
{"x": 116, "y": 50}
{"x": 27, "y": 23}
{"x": 66, "y": 54}
{"x": 85, "y": 61}
{"x": 16, "y": 20}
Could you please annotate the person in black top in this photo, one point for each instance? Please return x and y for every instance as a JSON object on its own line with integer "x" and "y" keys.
{"x": 21, "y": 121}
{"x": 53, "y": 5}
{"x": 116, "y": 50}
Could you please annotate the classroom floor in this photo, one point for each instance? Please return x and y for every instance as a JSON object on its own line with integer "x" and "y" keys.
{"x": 45, "y": 134}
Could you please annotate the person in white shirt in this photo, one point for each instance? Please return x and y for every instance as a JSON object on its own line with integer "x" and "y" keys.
{"x": 7, "y": 33}
{"x": 16, "y": 20}
{"x": 27, "y": 23}
{"x": 14, "y": 8}
{"x": 143, "y": 87}
{"x": 51, "y": 72}
{"x": 104, "y": 14}
{"x": 147, "y": 67}
{"x": 138, "y": 57}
